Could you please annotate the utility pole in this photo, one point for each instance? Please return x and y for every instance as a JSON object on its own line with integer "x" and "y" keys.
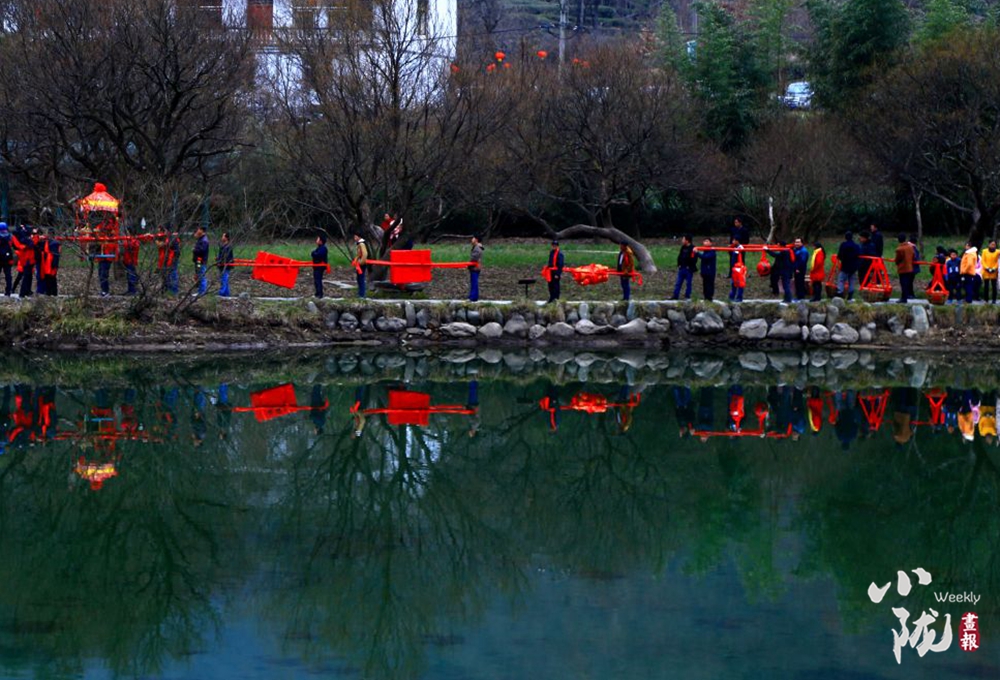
{"x": 562, "y": 33}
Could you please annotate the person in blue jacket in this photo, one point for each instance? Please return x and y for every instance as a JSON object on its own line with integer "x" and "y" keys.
{"x": 801, "y": 265}
{"x": 708, "y": 260}
{"x": 849, "y": 256}
{"x": 319, "y": 256}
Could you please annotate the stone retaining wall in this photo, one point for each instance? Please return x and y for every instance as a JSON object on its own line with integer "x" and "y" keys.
{"x": 648, "y": 324}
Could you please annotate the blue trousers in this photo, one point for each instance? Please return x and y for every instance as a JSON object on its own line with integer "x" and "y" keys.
{"x": 473, "y": 285}
{"x": 104, "y": 275}
{"x": 361, "y": 284}
{"x": 626, "y": 287}
{"x": 684, "y": 278}
{"x": 224, "y": 283}
{"x": 132, "y": 277}
{"x": 202, "y": 279}
{"x": 173, "y": 281}
{"x": 318, "y": 280}
{"x": 735, "y": 293}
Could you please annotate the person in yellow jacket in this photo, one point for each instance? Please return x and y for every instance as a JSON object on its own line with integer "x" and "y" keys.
{"x": 967, "y": 269}
{"x": 990, "y": 261}
{"x": 360, "y": 262}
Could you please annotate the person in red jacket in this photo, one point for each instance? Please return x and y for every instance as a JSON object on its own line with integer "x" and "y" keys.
{"x": 130, "y": 260}
{"x": 817, "y": 271}
{"x": 25, "y": 250}
{"x": 50, "y": 264}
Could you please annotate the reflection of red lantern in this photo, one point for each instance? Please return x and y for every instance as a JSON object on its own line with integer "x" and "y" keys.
{"x": 506, "y": 65}
{"x": 455, "y": 69}
{"x": 542, "y": 54}
{"x": 491, "y": 68}
{"x": 499, "y": 55}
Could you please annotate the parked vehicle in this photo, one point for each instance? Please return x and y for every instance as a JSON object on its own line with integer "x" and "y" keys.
{"x": 798, "y": 95}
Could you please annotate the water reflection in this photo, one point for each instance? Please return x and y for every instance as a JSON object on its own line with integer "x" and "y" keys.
{"x": 368, "y": 512}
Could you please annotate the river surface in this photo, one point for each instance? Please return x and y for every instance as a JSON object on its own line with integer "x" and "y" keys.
{"x": 488, "y": 515}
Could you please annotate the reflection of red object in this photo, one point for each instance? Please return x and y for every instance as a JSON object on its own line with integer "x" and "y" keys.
{"x": 490, "y": 68}
{"x": 275, "y": 402}
{"x": 95, "y": 473}
{"x": 414, "y": 408}
{"x": 499, "y": 56}
{"x": 454, "y": 69}
{"x": 761, "y": 411}
{"x": 876, "y": 286}
{"x": 542, "y": 54}
{"x": 935, "y": 400}
{"x": 587, "y": 402}
{"x": 873, "y": 406}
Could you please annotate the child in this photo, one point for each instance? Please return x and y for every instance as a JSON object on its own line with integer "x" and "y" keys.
{"x": 953, "y": 276}
{"x": 738, "y": 273}
{"x": 707, "y": 257}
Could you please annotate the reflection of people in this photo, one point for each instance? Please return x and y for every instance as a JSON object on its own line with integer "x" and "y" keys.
{"x": 737, "y": 409}
{"x": 472, "y": 403}
{"x": 623, "y": 413}
{"x": 358, "y": 410}
{"x": 317, "y": 408}
{"x": 683, "y": 409}
{"x": 199, "y": 430}
{"x": 988, "y": 417}
{"x": 550, "y": 404}
{"x": 706, "y": 411}
{"x": 223, "y": 412}
{"x": 904, "y": 413}
{"x": 846, "y": 427}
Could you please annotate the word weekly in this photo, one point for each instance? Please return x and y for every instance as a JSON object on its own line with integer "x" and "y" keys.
{"x": 922, "y": 637}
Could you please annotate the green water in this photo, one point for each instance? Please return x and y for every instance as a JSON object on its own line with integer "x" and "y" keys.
{"x": 485, "y": 515}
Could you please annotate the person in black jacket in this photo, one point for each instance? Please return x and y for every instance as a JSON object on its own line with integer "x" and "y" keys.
{"x": 319, "y": 256}
{"x": 867, "y": 250}
{"x": 708, "y": 260}
{"x": 200, "y": 258}
{"x": 877, "y": 241}
{"x": 849, "y": 256}
{"x": 686, "y": 262}
{"x": 785, "y": 265}
{"x": 6, "y": 257}
{"x": 739, "y": 232}
{"x": 555, "y": 265}
{"x": 223, "y": 260}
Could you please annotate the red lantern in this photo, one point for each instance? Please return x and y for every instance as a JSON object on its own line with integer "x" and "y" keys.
{"x": 542, "y": 54}
{"x": 455, "y": 69}
{"x": 491, "y": 68}
{"x": 499, "y": 55}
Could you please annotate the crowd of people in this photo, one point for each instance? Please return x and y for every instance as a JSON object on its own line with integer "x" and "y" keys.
{"x": 800, "y": 273}
{"x": 30, "y": 257}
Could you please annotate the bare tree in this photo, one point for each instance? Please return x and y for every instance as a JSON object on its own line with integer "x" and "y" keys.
{"x": 810, "y": 171}
{"x": 136, "y": 93}
{"x": 933, "y": 121}
{"x": 599, "y": 141}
